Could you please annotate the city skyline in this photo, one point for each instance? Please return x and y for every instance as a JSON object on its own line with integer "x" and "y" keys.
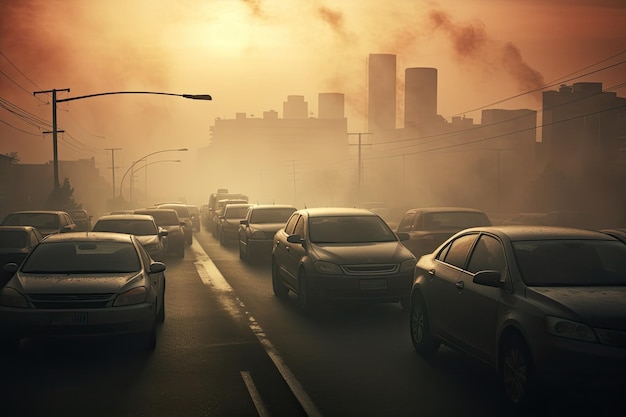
{"x": 485, "y": 54}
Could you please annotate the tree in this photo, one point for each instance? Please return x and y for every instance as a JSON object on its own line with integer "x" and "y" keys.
{"x": 62, "y": 198}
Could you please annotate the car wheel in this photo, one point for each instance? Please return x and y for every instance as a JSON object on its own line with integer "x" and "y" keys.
{"x": 305, "y": 300}
{"x": 280, "y": 290}
{"x": 516, "y": 370}
{"x": 222, "y": 239}
{"x": 181, "y": 251}
{"x": 423, "y": 341}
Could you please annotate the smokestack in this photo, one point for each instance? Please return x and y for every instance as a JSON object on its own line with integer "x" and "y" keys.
{"x": 382, "y": 92}
{"x": 420, "y": 96}
{"x": 330, "y": 106}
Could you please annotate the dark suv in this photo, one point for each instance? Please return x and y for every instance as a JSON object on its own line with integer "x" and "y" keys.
{"x": 184, "y": 215}
{"x": 168, "y": 220}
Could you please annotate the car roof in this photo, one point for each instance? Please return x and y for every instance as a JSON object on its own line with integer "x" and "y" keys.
{"x": 18, "y": 228}
{"x": 126, "y": 217}
{"x": 38, "y": 212}
{"x": 532, "y": 232}
{"x": 90, "y": 236}
{"x": 150, "y": 210}
{"x": 338, "y": 211}
{"x": 444, "y": 209}
{"x": 271, "y": 206}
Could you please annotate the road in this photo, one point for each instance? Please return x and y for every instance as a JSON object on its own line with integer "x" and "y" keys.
{"x": 228, "y": 347}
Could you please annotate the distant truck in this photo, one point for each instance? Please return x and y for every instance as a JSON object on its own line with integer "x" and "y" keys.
{"x": 221, "y": 194}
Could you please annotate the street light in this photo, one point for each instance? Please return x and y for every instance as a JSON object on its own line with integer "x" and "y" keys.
{"x": 134, "y": 171}
{"x": 54, "y": 114}
{"x": 143, "y": 158}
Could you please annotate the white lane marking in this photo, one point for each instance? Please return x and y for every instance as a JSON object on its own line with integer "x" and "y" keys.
{"x": 212, "y": 276}
{"x": 254, "y": 394}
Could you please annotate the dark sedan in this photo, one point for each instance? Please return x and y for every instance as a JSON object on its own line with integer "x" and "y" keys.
{"x": 538, "y": 303}
{"x": 95, "y": 283}
{"x": 16, "y": 242}
{"x": 347, "y": 254}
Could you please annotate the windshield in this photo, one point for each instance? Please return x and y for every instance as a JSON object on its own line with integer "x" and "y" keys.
{"x": 235, "y": 212}
{"x": 272, "y": 215}
{"x": 454, "y": 220}
{"x": 82, "y": 257}
{"x": 343, "y": 229}
{"x": 571, "y": 262}
{"x": 163, "y": 218}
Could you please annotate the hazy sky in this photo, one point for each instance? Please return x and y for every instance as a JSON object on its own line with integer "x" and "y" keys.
{"x": 251, "y": 54}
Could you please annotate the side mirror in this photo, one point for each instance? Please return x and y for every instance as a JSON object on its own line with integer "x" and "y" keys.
{"x": 402, "y": 236}
{"x": 489, "y": 278}
{"x": 163, "y": 232}
{"x": 244, "y": 222}
{"x": 156, "y": 267}
{"x": 10, "y": 268}
{"x": 295, "y": 239}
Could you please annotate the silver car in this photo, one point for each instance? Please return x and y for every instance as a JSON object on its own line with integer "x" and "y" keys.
{"x": 84, "y": 284}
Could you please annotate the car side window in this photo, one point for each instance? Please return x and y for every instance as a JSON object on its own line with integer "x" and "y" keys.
{"x": 459, "y": 249}
{"x": 291, "y": 224}
{"x": 406, "y": 224}
{"x": 299, "y": 229}
{"x": 488, "y": 254}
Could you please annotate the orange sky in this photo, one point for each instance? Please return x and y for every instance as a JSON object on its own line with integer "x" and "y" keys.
{"x": 250, "y": 54}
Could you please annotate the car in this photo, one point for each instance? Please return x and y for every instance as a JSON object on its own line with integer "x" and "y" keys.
{"x": 82, "y": 220}
{"x": 540, "y": 304}
{"x": 46, "y": 221}
{"x": 82, "y": 284}
{"x": 219, "y": 210}
{"x": 428, "y": 227}
{"x": 221, "y": 194}
{"x": 16, "y": 242}
{"x": 184, "y": 215}
{"x": 257, "y": 229}
{"x": 168, "y": 220}
{"x": 229, "y": 221}
{"x": 341, "y": 254}
{"x": 151, "y": 236}
{"x": 196, "y": 220}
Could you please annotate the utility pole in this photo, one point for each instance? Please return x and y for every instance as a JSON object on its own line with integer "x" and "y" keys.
{"x": 55, "y": 154}
{"x": 360, "y": 168}
{"x": 113, "y": 167}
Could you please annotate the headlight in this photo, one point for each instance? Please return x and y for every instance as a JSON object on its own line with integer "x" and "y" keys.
{"x": 135, "y": 296}
{"x": 408, "y": 265}
{"x": 570, "y": 329}
{"x": 326, "y": 268}
{"x": 10, "y": 297}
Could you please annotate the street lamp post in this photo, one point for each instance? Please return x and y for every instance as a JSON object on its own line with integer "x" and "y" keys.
{"x": 134, "y": 171}
{"x": 54, "y": 114}
{"x": 144, "y": 158}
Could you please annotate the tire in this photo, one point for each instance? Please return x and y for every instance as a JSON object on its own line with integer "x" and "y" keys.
{"x": 306, "y": 302}
{"x": 280, "y": 290}
{"x": 516, "y": 370}
{"x": 180, "y": 253}
{"x": 222, "y": 239}
{"x": 423, "y": 341}
{"x": 241, "y": 255}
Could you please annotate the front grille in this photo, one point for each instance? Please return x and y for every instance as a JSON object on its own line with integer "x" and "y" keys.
{"x": 370, "y": 269}
{"x": 70, "y": 301}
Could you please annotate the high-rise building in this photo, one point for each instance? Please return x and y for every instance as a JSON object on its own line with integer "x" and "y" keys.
{"x": 330, "y": 106}
{"x": 420, "y": 96}
{"x": 381, "y": 92}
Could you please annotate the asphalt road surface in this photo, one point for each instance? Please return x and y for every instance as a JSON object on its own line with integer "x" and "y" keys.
{"x": 228, "y": 347}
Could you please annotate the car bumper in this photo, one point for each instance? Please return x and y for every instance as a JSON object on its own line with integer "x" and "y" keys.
{"x": 570, "y": 359}
{"x": 24, "y": 322}
{"x": 361, "y": 288}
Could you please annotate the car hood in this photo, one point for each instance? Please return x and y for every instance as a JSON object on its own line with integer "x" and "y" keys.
{"x": 596, "y": 306}
{"x": 373, "y": 253}
{"x": 67, "y": 284}
{"x": 148, "y": 240}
